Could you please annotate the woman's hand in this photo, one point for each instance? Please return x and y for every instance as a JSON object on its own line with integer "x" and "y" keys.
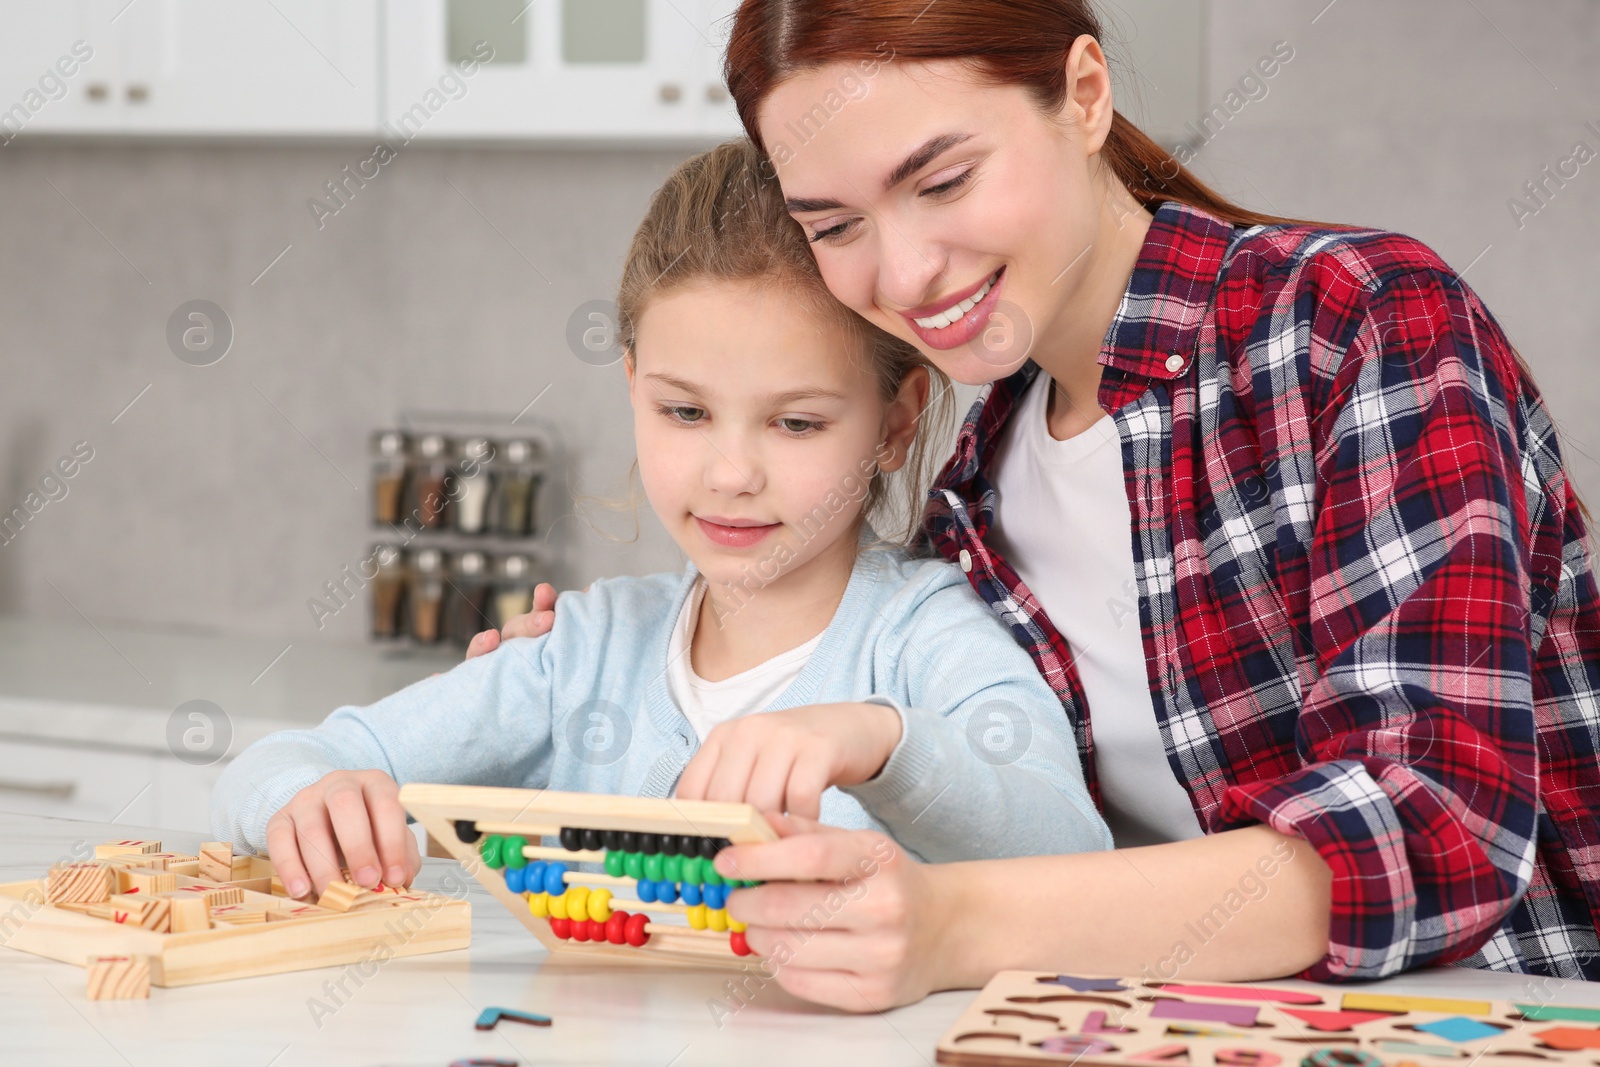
{"x": 783, "y": 760}
{"x": 535, "y": 623}
{"x": 349, "y": 819}
{"x": 882, "y": 915}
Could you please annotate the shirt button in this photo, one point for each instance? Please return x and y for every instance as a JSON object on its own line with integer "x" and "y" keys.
{"x": 1174, "y": 363}
{"x": 966, "y": 561}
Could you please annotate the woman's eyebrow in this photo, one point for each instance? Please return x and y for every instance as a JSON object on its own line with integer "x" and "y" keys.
{"x": 930, "y": 150}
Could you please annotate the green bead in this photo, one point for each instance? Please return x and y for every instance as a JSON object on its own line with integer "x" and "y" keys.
{"x": 511, "y": 851}
{"x": 693, "y": 867}
{"x": 652, "y": 866}
{"x": 633, "y": 864}
{"x": 672, "y": 868}
{"x": 614, "y": 860}
{"x": 712, "y": 877}
{"x": 490, "y": 851}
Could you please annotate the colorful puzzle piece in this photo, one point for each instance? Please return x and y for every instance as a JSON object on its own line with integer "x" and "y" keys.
{"x": 489, "y": 1017}
{"x": 1223, "y": 992}
{"x": 1570, "y": 1038}
{"x": 1557, "y": 1013}
{"x": 1201, "y": 1012}
{"x": 1391, "y": 1003}
{"x": 1086, "y": 985}
{"x": 1459, "y": 1028}
{"x": 1334, "y": 1021}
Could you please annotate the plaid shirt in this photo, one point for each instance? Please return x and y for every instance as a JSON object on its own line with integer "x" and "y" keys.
{"x": 1368, "y": 615}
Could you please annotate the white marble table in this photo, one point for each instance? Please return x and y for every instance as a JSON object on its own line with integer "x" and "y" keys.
{"x": 419, "y": 1011}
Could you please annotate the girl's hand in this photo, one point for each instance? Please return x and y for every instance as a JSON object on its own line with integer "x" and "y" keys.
{"x": 882, "y": 915}
{"x": 535, "y": 623}
{"x": 349, "y": 819}
{"x": 783, "y": 760}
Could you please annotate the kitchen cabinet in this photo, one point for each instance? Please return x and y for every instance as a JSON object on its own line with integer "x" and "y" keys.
{"x": 189, "y": 67}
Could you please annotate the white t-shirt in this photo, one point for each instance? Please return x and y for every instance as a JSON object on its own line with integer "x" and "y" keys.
{"x": 706, "y": 704}
{"x": 1062, "y": 521}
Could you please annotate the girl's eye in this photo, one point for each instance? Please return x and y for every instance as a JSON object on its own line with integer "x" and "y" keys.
{"x": 832, "y": 233}
{"x": 799, "y": 426}
{"x": 950, "y": 186}
{"x": 682, "y": 414}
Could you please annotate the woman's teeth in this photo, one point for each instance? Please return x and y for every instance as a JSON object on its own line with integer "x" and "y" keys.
{"x": 955, "y": 311}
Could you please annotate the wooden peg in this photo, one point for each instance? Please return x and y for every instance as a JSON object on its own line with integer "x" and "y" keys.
{"x": 82, "y": 883}
{"x": 119, "y": 977}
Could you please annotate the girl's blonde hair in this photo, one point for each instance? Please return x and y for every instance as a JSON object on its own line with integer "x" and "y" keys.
{"x": 720, "y": 217}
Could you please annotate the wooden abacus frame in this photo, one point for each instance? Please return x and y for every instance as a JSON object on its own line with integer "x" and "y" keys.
{"x": 540, "y": 813}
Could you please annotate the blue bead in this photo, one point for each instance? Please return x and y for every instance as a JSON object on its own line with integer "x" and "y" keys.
{"x": 666, "y": 892}
{"x": 555, "y": 879}
{"x": 515, "y": 877}
{"x": 533, "y": 876}
{"x": 691, "y": 894}
{"x": 646, "y": 890}
{"x": 716, "y": 896}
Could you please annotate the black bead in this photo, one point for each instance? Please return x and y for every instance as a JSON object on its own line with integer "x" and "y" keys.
{"x": 467, "y": 831}
{"x": 669, "y": 844}
{"x": 592, "y": 841}
{"x": 628, "y": 841}
{"x": 649, "y": 843}
{"x": 611, "y": 839}
{"x": 688, "y": 845}
{"x": 571, "y": 838}
{"x": 707, "y": 847}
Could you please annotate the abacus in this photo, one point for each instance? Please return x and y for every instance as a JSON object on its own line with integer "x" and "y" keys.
{"x": 659, "y": 850}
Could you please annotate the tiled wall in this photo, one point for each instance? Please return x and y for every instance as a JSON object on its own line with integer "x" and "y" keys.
{"x": 224, "y": 496}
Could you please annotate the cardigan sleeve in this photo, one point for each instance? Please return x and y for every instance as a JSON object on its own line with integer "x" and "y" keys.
{"x": 1419, "y": 770}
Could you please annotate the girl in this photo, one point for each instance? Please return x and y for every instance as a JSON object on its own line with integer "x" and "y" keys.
{"x": 1275, "y": 507}
{"x": 766, "y": 419}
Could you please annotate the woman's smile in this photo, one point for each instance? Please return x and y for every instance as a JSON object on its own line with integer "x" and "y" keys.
{"x": 954, "y": 322}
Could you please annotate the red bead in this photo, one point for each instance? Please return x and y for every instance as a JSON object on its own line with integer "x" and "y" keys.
{"x": 616, "y": 927}
{"x": 562, "y": 928}
{"x": 634, "y": 930}
{"x": 597, "y": 930}
{"x": 740, "y": 946}
{"x": 580, "y": 929}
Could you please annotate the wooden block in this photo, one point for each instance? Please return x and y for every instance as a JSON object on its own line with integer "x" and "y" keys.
{"x": 187, "y": 914}
{"x": 239, "y": 914}
{"x": 124, "y": 848}
{"x": 215, "y": 896}
{"x": 124, "y": 910}
{"x": 253, "y": 885}
{"x": 216, "y": 860}
{"x": 83, "y": 883}
{"x": 188, "y": 866}
{"x": 341, "y": 896}
{"x": 143, "y": 880}
{"x": 119, "y": 977}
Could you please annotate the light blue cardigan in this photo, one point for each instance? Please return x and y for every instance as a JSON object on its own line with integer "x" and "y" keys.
{"x": 985, "y": 768}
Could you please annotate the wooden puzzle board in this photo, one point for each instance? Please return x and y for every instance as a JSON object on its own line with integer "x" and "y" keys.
{"x": 297, "y": 935}
{"x": 1024, "y": 1018}
{"x": 536, "y": 814}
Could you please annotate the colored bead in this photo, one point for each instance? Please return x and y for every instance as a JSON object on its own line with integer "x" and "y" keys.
{"x": 633, "y": 864}
{"x": 511, "y": 851}
{"x": 736, "y": 926}
{"x": 592, "y": 840}
{"x": 600, "y": 905}
{"x": 611, "y": 840}
{"x": 597, "y": 930}
{"x": 711, "y": 875}
{"x": 514, "y": 877}
{"x": 716, "y": 896}
{"x": 571, "y": 838}
{"x": 646, "y": 890}
{"x": 580, "y": 929}
{"x": 740, "y": 946}
{"x": 672, "y": 868}
{"x": 467, "y": 831}
{"x": 577, "y": 902}
{"x": 539, "y": 905}
{"x": 562, "y": 928}
{"x": 666, "y": 892}
{"x": 649, "y": 843}
{"x": 717, "y": 919}
{"x": 490, "y": 851}
{"x": 628, "y": 841}
{"x": 533, "y": 876}
{"x": 708, "y": 847}
{"x": 652, "y": 865}
{"x": 691, "y": 893}
{"x": 634, "y": 930}
{"x": 557, "y": 906}
{"x": 615, "y": 927}
{"x": 669, "y": 844}
{"x": 697, "y": 916}
{"x": 555, "y": 879}
{"x": 614, "y": 863}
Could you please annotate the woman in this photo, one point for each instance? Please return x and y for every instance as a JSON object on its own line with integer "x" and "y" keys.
{"x": 1278, "y": 502}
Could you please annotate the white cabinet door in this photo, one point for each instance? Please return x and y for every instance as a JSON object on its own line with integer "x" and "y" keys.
{"x": 559, "y": 69}
{"x": 717, "y": 116}
{"x": 200, "y": 67}
{"x": 79, "y": 783}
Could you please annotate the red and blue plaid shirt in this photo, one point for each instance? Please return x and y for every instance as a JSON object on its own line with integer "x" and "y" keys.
{"x": 1368, "y": 615}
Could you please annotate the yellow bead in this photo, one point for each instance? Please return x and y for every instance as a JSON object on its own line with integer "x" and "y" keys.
{"x": 736, "y": 926}
{"x": 600, "y": 905}
{"x": 539, "y": 905}
{"x": 558, "y": 905}
{"x": 577, "y": 902}
{"x": 718, "y": 920}
{"x": 697, "y": 916}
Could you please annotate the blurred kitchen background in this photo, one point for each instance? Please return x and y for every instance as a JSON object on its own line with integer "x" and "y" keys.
{"x": 271, "y": 269}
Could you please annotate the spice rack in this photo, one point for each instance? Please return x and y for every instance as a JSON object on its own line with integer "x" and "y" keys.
{"x": 457, "y": 505}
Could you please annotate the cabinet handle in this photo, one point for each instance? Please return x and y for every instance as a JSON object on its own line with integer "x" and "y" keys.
{"x": 716, "y": 94}
{"x": 671, "y": 94}
{"x": 138, "y": 94}
{"x": 57, "y": 790}
{"x": 98, "y": 91}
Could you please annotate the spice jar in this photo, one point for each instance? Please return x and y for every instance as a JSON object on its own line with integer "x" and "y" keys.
{"x": 469, "y": 600}
{"x": 513, "y": 588}
{"x": 433, "y": 473}
{"x": 388, "y": 476}
{"x": 516, "y": 486}
{"x": 388, "y": 588}
{"x": 427, "y": 595}
{"x": 472, "y": 484}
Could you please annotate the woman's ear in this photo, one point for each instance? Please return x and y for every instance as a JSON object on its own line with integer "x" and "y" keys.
{"x": 902, "y": 419}
{"x": 1088, "y": 105}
